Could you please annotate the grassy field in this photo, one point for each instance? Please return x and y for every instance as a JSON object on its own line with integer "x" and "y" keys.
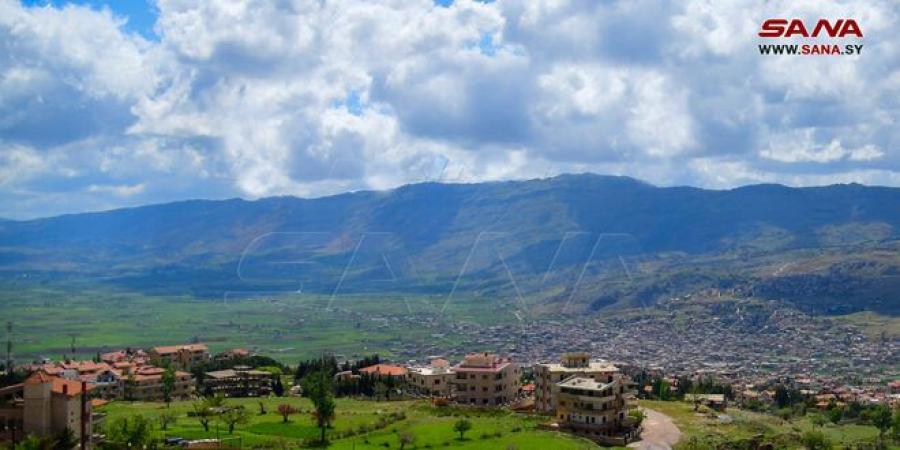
{"x": 745, "y": 425}
{"x": 50, "y": 321}
{"x": 431, "y": 426}
{"x": 876, "y": 326}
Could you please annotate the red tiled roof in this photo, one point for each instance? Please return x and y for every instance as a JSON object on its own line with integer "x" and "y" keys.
{"x": 60, "y": 385}
{"x": 164, "y": 350}
{"x": 384, "y": 369}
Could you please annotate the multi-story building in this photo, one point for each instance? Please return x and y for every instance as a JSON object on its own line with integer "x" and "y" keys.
{"x": 547, "y": 376}
{"x": 241, "y": 381}
{"x": 146, "y": 384}
{"x": 44, "y": 406}
{"x": 595, "y": 409}
{"x": 384, "y": 371}
{"x": 182, "y": 357}
{"x": 433, "y": 380}
{"x": 485, "y": 379}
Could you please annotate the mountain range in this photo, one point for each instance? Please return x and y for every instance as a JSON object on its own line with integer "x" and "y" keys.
{"x": 587, "y": 240}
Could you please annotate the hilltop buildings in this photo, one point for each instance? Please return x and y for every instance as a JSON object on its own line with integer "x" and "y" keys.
{"x": 595, "y": 409}
{"x": 180, "y": 356}
{"x": 242, "y": 381}
{"x": 485, "y": 379}
{"x": 548, "y": 376}
{"x": 433, "y": 380}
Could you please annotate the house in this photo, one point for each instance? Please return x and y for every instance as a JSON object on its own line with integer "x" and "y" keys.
{"x": 44, "y": 405}
{"x": 595, "y": 409}
{"x": 714, "y": 401}
{"x": 235, "y": 354}
{"x": 433, "y": 380}
{"x": 182, "y": 357}
{"x": 485, "y": 379}
{"x": 548, "y": 375}
{"x": 240, "y": 381}
{"x": 397, "y": 373}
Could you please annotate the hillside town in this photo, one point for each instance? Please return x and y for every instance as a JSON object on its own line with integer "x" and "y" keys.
{"x": 576, "y": 393}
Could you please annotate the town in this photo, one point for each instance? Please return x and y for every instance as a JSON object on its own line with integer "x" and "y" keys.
{"x": 63, "y": 403}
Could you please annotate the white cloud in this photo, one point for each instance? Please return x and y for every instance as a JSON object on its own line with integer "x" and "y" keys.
{"x": 311, "y": 98}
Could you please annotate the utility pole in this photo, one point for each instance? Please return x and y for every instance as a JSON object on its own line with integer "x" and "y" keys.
{"x": 9, "y": 359}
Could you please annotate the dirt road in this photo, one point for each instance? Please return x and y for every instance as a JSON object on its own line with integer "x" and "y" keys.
{"x": 660, "y": 433}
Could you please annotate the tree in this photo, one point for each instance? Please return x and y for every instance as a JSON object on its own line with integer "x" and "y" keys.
{"x": 461, "y": 426}
{"x": 65, "y": 440}
{"x": 816, "y": 440}
{"x": 637, "y": 415}
{"x": 168, "y": 385}
{"x": 34, "y": 443}
{"x": 406, "y": 438}
{"x": 881, "y": 418}
{"x": 133, "y": 431}
{"x": 235, "y": 416}
{"x": 818, "y": 420}
{"x": 286, "y": 410}
{"x": 203, "y": 413}
{"x": 167, "y": 418}
{"x": 895, "y": 424}
{"x": 319, "y": 387}
{"x": 130, "y": 384}
{"x": 277, "y": 387}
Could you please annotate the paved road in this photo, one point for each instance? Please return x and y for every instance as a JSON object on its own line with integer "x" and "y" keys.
{"x": 660, "y": 433}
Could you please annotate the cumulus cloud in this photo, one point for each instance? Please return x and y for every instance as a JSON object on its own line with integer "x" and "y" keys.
{"x": 311, "y": 98}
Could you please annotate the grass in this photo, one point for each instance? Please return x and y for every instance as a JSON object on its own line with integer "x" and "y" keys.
{"x": 431, "y": 426}
{"x": 49, "y": 321}
{"x": 876, "y": 326}
{"x": 747, "y": 424}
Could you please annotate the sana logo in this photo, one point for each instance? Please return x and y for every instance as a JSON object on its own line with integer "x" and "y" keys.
{"x": 784, "y": 28}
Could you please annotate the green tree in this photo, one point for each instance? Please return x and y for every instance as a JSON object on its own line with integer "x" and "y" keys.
{"x": 881, "y": 418}
{"x": 203, "y": 413}
{"x": 637, "y": 415}
{"x": 65, "y": 440}
{"x": 319, "y": 387}
{"x": 895, "y": 424}
{"x": 461, "y": 426}
{"x": 816, "y": 440}
{"x": 168, "y": 385}
{"x": 34, "y": 443}
{"x": 132, "y": 431}
{"x": 167, "y": 418}
{"x": 235, "y": 416}
{"x": 818, "y": 420}
{"x": 130, "y": 384}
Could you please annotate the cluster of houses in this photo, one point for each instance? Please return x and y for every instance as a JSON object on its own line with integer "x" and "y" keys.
{"x": 585, "y": 397}
{"x": 62, "y": 395}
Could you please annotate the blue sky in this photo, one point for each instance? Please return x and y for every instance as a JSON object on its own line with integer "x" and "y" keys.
{"x": 112, "y": 104}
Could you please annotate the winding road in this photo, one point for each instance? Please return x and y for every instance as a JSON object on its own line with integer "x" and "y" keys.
{"x": 660, "y": 433}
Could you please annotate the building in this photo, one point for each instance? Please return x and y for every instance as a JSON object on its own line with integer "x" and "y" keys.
{"x": 146, "y": 384}
{"x": 548, "y": 376}
{"x": 182, "y": 357}
{"x": 45, "y": 405}
{"x": 433, "y": 380}
{"x": 595, "y": 409}
{"x": 397, "y": 373}
{"x": 485, "y": 379}
{"x": 241, "y": 381}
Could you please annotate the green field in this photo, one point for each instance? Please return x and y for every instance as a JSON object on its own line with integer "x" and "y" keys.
{"x": 431, "y": 426}
{"x": 746, "y": 425}
{"x": 47, "y": 320}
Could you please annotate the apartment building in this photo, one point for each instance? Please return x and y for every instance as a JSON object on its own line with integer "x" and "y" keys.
{"x": 241, "y": 381}
{"x": 485, "y": 379}
{"x": 45, "y": 405}
{"x": 182, "y": 357}
{"x": 146, "y": 384}
{"x": 433, "y": 380}
{"x": 595, "y": 409}
{"x": 547, "y": 376}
